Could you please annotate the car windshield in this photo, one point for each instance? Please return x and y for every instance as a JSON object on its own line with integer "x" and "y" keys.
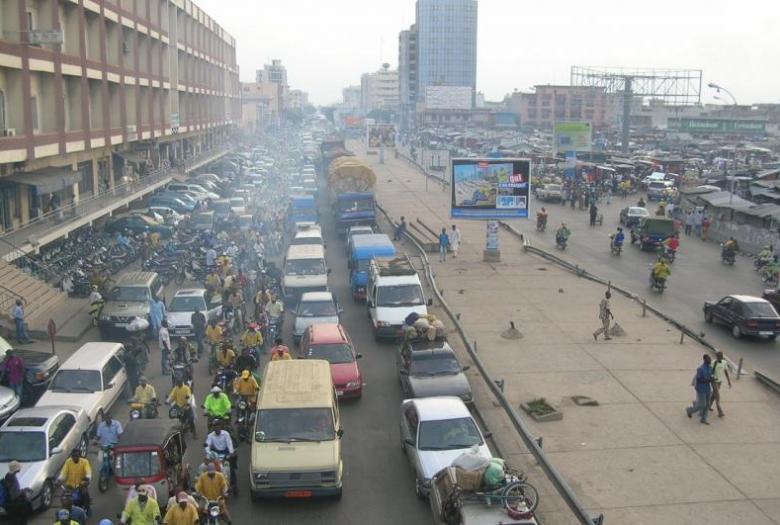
{"x": 76, "y": 381}
{"x": 333, "y": 353}
{"x": 305, "y": 267}
{"x": 316, "y": 309}
{"x": 657, "y": 185}
{"x": 301, "y": 240}
{"x": 638, "y": 212}
{"x": 22, "y": 446}
{"x": 447, "y": 434}
{"x": 356, "y": 205}
{"x": 426, "y": 363}
{"x": 295, "y": 424}
{"x": 552, "y": 187}
{"x": 130, "y": 293}
{"x": 187, "y": 304}
{"x": 760, "y": 310}
{"x": 138, "y": 464}
{"x": 400, "y": 295}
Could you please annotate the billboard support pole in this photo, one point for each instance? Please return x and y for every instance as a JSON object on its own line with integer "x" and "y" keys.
{"x": 381, "y": 154}
{"x": 491, "y": 254}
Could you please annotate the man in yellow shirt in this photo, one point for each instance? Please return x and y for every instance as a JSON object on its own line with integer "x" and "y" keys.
{"x": 141, "y": 510}
{"x": 226, "y": 357}
{"x": 252, "y": 337}
{"x": 76, "y": 473}
{"x": 246, "y": 386}
{"x": 280, "y": 352}
{"x": 214, "y": 333}
{"x": 212, "y": 486}
{"x": 144, "y": 392}
{"x": 181, "y": 396}
{"x": 183, "y": 513}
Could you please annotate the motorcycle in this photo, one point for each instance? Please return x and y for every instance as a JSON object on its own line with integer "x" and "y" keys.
{"x": 184, "y": 415}
{"x": 224, "y": 379}
{"x": 560, "y": 242}
{"x": 140, "y": 410}
{"x": 211, "y": 514}
{"x": 670, "y": 254}
{"x": 106, "y": 470}
{"x": 657, "y": 285}
{"x": 244, "y": 419}
{"x": 614, "y": 247}
{"x": 183, "y": 372}
{"x": 759, "y": 263}
{"x": 541, "y": 223}
{"x": 769, "y": 275}
{"x": 728, "y": 257}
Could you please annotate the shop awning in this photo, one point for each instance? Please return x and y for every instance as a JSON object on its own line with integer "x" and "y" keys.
{"x": 47, "y": 180}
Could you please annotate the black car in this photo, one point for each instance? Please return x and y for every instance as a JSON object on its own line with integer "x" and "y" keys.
{"x": 430, "y": 368}
{"x": 39, "y": 368}
{"x": 745, "y": 315}
{"x": 137, "y": 224}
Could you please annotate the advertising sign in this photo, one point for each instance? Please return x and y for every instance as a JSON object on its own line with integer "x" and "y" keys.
{"x": 572, "y": 136}
{"x": 380, "y": 136}
{"x": 448, "y": 97}
{"x": 704, "y": 125}
{"x": 490, "y": 188}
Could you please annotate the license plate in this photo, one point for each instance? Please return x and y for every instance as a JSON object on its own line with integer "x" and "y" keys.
{"x": 765, "y": 333}
{"x": 297, "y": 494}
{"x": 339, "y": 392}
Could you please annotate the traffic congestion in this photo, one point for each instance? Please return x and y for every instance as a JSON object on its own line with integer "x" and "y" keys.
{"x": 232, "y": 356}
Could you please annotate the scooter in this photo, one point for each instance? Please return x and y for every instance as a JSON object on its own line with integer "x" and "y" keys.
{"x": 615, "y": 248}
{"x": 728, "y": 257}
{"x": 560, "y": 242}
{"x": 670, "y": 255}
{"x": 657, "y": 285}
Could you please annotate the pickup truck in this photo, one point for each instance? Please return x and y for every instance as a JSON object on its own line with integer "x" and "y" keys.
{"x": 549, "y": 192}
{"x": 39, "y": 368}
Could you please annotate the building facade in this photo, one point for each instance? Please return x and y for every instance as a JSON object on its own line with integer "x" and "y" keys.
{"x": 379, "y": 90}
{"x": 446, "y": 43}
{"x": 94, "y": 91}
{"x": 297, "y": 99}
{"x": 549, "y": 104}
{"x": 260, "y": 105}
{"x": 407, "y": 74}
{"x": 350, "y": 97}
{"x": 274, "y": 72}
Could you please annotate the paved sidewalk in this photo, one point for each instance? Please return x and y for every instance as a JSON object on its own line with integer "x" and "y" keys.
{"x": 636, "y": 457}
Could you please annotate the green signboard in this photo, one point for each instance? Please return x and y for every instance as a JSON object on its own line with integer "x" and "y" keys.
{"x": 572, "y": 136}
{"x": 711, "y": 125}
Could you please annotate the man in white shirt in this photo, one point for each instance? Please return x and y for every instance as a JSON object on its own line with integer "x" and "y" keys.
{"x": 164, "y": 339}
{"x": 220, "y": 442}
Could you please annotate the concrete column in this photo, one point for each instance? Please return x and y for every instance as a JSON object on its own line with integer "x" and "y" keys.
{"x": 95, "y": 174}
{"x": 24, "y": 203}
{"x": 75, "y": 193}
{"x": 111, "y": 177}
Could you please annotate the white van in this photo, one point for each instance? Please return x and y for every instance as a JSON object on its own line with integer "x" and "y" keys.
{"x": 305, "y": 270}
{"x": 308, "y": 235}
{"x": 394, "y": 291}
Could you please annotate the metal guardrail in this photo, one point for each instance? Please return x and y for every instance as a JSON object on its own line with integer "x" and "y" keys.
{"x": 768, "y": 381}
{"x": 529, "y": 440}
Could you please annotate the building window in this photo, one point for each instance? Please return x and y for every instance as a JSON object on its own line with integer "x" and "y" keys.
{"x": 34, "y": 111}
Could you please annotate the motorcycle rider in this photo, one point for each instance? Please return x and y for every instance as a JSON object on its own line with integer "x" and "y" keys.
{"x": 226, "y": 357}
{"x": 217, "y": 404}
{"x": 246, "y": 386}
{"x": 77, "y": 514}
{"x": 617, "y": 238}
{"x": 141, "y": 509}
{"x": 772, "y": 269}
{"x": 220, "y": 442}
{"x": 76, "y": 474}
{"x": 246, "y": 361}
{"x": 661, "y": 271}
{"x": 275, "y": 309}
{"x": 641, "y": 203}
{"x": 252, "y": 338}
{"x": 181, "y": 396}
{"x": 765, "y": 255}
{"x": 672, "y": 244}
{"x": 541, "y": 219}
{"x": 96, "y": 303}
{"x": 280, "y": 352}
{"x": 182, "y": 354}
{"x": 212, "y": 486}
{"x": 730, "y": 248}
{"x": 63, "y": 518}
{"x": 145, "y": 393}
{"x": 562, "y": 234}
{"x": 214, "y": 334}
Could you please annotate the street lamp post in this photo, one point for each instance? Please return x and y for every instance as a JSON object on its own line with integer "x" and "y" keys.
{"x": 719, "y": 88}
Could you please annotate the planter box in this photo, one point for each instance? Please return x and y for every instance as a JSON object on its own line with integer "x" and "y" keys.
{"x": 554, "y": 415}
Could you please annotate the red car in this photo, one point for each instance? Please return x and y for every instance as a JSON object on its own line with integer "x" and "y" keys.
{"x": 330, "y": 342}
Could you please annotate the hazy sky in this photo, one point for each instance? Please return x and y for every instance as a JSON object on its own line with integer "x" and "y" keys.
{"x": 327, "y": 44}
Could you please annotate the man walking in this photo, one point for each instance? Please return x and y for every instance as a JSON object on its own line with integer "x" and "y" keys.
{"x": 701, "y": 383}
{"x": 400, "y": 229}
{"x": 198, "y": 321}
{"x": 21, "y": 329}
{"x": 13, "y": 369}
{"x": 720, "y": 370}
{"x": 688, "y": 222}
{"x": 698, "y": 219}
{"x": 605, "y": 314}
{"x": 594, "y": 211}
{"x": 444, "y": 244}
{"x": 455, "y": 240}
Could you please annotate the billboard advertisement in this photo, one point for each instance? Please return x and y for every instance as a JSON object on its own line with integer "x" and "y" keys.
{"x": 572, "y": 136}
{"x": 490, "y": 188}
{"x": 380, "y": 136}
{"x": 448, "y": 97}
{"x": 705, "y": 125}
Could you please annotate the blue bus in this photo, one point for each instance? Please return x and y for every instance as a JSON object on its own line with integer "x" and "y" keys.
{"x": 365, "y": 248}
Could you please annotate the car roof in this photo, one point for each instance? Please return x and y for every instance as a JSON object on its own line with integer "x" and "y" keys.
{"x": 749, "y": 299}
{"x": 440, "y": 407}
{"x": 91, "y": 356}
{"x": 314, "y": 233}
{"x": 189, "y": 292}
{"x": 374, "y": 240}
{"x": 296, "y": 383}
{"x": 326, "y": 333}
{"x": 316, "y": 296}
{"x": 148, "y": 431}
{"x": 423, "y": 343}
{"x": 305, "y": 251}
{"x": 42, "y": 412}
{"x": 134, "y": 278}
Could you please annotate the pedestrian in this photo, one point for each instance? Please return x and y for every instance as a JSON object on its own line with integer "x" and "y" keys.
{"x": 198, "y": 321}
{"x": 698, "y": 218}
{"x": 594, "y": 211}
{"x": 16, "y": 505}
{"x": 400, "y": 229}
{"x": 605, "y": 314}
{"x": 13, "y": 370}
{"x": 705, "y": 227}
{"x": 156, "y": 314}
{"x": 720, "y": 370}
{"x": 702, "y": 382}
{"x": 164, "y": 339}
{"x": 688, "y": 222}
{"x": 444, "y": 244}
{"x": 455, "y": 240}
{"x": 21, "y": 329}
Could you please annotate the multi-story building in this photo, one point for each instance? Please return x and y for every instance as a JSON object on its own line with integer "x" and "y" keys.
{"x": 549, "y": 104}
{"x": 260, "y": 105}
{"x": 446, "y": 43}
{"x": 297, "y": 99}
{"x": 407, "y": 74}
{"x": 274, "y": 72}
{"x": 379, "y": 90}
{"x": 94, "y": 91}
{"x": 350, "y": 97}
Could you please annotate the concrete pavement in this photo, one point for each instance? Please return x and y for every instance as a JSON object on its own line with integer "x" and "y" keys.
{"x": 636, "y": 457}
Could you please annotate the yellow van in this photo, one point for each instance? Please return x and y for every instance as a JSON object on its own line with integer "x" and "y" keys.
{"x": 296, "y": 451}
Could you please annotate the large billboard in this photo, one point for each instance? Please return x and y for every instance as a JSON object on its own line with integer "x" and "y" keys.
{"x": 380, "y": 136}
{"x": 572, "y": 136}
{"x": 490, "y": 188}
{"x": 448, "y": 97}
{"x": 711, "y": 125}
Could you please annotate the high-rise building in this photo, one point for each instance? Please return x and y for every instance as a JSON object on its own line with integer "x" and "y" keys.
{"x": 446, "y": 43}
{"x": 275, "y": 72}
{"x": 102, "y": 97}
{"x": 351, "y": 97}
{"x": 407, "y": 73}
{"x": 379, "y": 90}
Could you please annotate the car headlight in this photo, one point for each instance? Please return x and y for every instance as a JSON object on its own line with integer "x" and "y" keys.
{"x": 352, "y": 384}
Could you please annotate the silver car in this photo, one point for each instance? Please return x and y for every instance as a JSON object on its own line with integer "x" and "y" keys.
{"x": 182, "y": 306}
{"x": 314, "y": 308}
{"x": 42, "y": 438}
{"x": 435, "y": 431}
{"x": 9, "y": 403}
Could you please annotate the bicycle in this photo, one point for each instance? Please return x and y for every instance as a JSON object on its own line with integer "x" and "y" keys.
{"x": 106, "y": 472}
{"x": 519, "y": 498}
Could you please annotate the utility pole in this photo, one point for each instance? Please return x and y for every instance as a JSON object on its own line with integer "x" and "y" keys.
{"x": 626, "y": 113}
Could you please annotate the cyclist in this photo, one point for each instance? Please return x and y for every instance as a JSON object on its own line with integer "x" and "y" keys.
{"x": 75, "y": 475}
{"x": 181, "y": 396}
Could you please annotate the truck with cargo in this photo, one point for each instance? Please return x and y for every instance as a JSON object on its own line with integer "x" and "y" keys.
{"x": 351, "y": 187}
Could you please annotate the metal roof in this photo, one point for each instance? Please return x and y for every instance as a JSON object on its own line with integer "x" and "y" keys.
{"x": 148, "y": 431}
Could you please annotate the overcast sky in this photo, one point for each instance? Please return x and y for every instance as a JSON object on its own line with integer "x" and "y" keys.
{"x": 327, "y": 44}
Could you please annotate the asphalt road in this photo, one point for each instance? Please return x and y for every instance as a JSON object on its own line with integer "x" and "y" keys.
{"x": 378, "y": 482}
{"x": 698, "y": 275}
